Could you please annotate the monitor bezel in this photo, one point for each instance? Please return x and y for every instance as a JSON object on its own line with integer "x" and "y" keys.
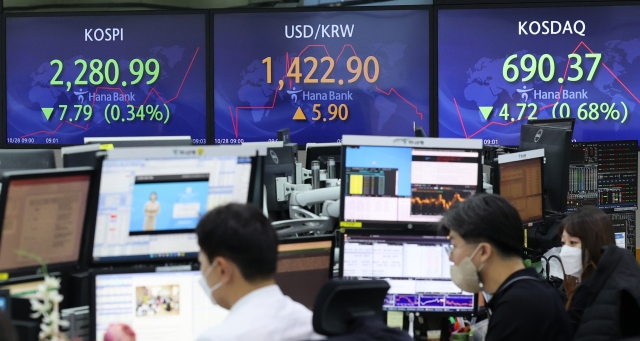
{"x": 403, "y": 142}
{"x": 255, "y": 182}
{"x": 410, "y": 233}
{"x": 553, "y": 122}
{"x": 430, "y": 37}
{"x": 3, "y": 64}
{"x": 43, "y": 174}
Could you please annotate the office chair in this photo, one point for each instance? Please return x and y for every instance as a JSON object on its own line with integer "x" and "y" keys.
{"x": 349, "y": 310}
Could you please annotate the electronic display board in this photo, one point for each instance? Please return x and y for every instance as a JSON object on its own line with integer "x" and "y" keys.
{"x": 499, "y": 67}
{"x": 321, "y": 74}
{"x": 75, "y": 76}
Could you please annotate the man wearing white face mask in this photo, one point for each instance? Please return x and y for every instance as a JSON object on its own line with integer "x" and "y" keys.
{"x": 487, "y": 238}
{"x": 238, "y": 257}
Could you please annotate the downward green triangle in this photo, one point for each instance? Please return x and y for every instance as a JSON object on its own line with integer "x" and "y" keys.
{"x": 486, "y": 111}
{"x": 47, "y": 112}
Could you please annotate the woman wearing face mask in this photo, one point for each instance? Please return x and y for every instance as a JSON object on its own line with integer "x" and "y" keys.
{"x": 584, "y": 233}
{"x": 601, "y": 278}
{"x": 487, "y": 238}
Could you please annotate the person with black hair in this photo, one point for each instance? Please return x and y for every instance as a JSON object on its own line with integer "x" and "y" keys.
{"x": 487, "y": 240}
{"x": 601, "y": 279}
{"x": 238, "y": 258}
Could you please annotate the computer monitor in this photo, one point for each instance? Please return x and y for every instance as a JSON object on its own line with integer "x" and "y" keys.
{"x": 250, "y": 105}
{"x": 151, "y": 199}
{"x": 624, "y": 227}
{"x": 284, "y": 135}
{"x": 419, "y": 132}
{"x": 416, "y": 266}
{"x": 5, "y": 301}
{"x": 563, "y": 123}
{"x": 141, "y": 141}
{"x": 24, "y": 159}
{"x": 279, "y": 163}
{"x": 157, "y": 305}
{"x": 521, "y": 183}
{"x": 603, "y": 174}
{"x": 82, "y": 156}
{"x": 44, "y": 214}
{"x": 404, "y": 181}
{"x": 321, "y": 152}
{"x": 304, "y": 264}
{"x": 556, "y": 144}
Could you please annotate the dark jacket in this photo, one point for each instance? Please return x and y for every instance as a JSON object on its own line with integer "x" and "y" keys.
{"x": 526, "y": 308}
{"x": 613, "y": 295}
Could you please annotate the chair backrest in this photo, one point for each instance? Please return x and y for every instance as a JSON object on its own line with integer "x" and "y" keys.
{"x": 340, "y": 302}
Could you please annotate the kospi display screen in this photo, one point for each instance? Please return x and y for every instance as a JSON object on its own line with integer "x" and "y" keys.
{"x": 70, "y": 77}
{"x": 320, "y": 74}
{"x": 499, "y": 67}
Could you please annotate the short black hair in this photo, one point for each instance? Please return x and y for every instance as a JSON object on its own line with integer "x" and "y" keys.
{"x": 487, "y": 218}
{"x": 244, "y": 235}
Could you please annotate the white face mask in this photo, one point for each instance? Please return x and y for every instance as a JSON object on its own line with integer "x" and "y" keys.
{"x": 465, "y": 275}
{"x": 571, "y": 260}
{"x": 205, "y": 286}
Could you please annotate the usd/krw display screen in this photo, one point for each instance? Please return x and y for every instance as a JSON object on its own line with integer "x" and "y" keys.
{"x": 103, "y": 76}
{"x": 320, "y": 74}
{"x": 499, "y": 67}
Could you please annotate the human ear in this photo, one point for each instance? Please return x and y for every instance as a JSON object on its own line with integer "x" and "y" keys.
{"x": 485, "y": 251}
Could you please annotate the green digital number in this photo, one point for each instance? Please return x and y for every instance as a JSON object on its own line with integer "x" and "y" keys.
{"x": 510, "y": 67}
{"x": 576, "y": 67}
{"x": 155, "y": 72}
{"x": 108, "y": 66}
{"x": 96, "y": 69}
{"x": 54, "y": 80}
{"x": 79, "y": 80}
{"x": 596, "y": 62}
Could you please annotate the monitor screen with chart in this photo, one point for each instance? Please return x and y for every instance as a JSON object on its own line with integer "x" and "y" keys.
{"x": 416, "y": 267}
{"x": 391, "y": 182}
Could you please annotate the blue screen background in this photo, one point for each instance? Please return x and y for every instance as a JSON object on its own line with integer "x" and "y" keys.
{"x": 384, "y": 157}
{"x": 474, "y": 43}
{"x": 246, "y": 107}
{"x": 168, "y": 194}
{"x": 33, "y": 42}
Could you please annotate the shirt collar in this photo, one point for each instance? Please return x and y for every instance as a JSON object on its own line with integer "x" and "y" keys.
{"x": 268, "y": 292}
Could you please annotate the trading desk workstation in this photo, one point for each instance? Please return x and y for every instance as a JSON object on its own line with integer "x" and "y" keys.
{"x": 353, "y": 138}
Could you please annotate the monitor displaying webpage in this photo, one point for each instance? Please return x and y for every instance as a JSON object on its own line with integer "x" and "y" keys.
{"x": 149, "y": 208}
{"x": 416, "y": 267}
{"x": 45, "y": 217}
{"x": 400, "y": 184}
{"x": 159, "y": 306}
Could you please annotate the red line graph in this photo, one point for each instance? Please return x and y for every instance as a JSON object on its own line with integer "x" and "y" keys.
{"x": 546, "y": 106}
{"x": 153, "y": 90}
{"x": 288, "y": 62}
